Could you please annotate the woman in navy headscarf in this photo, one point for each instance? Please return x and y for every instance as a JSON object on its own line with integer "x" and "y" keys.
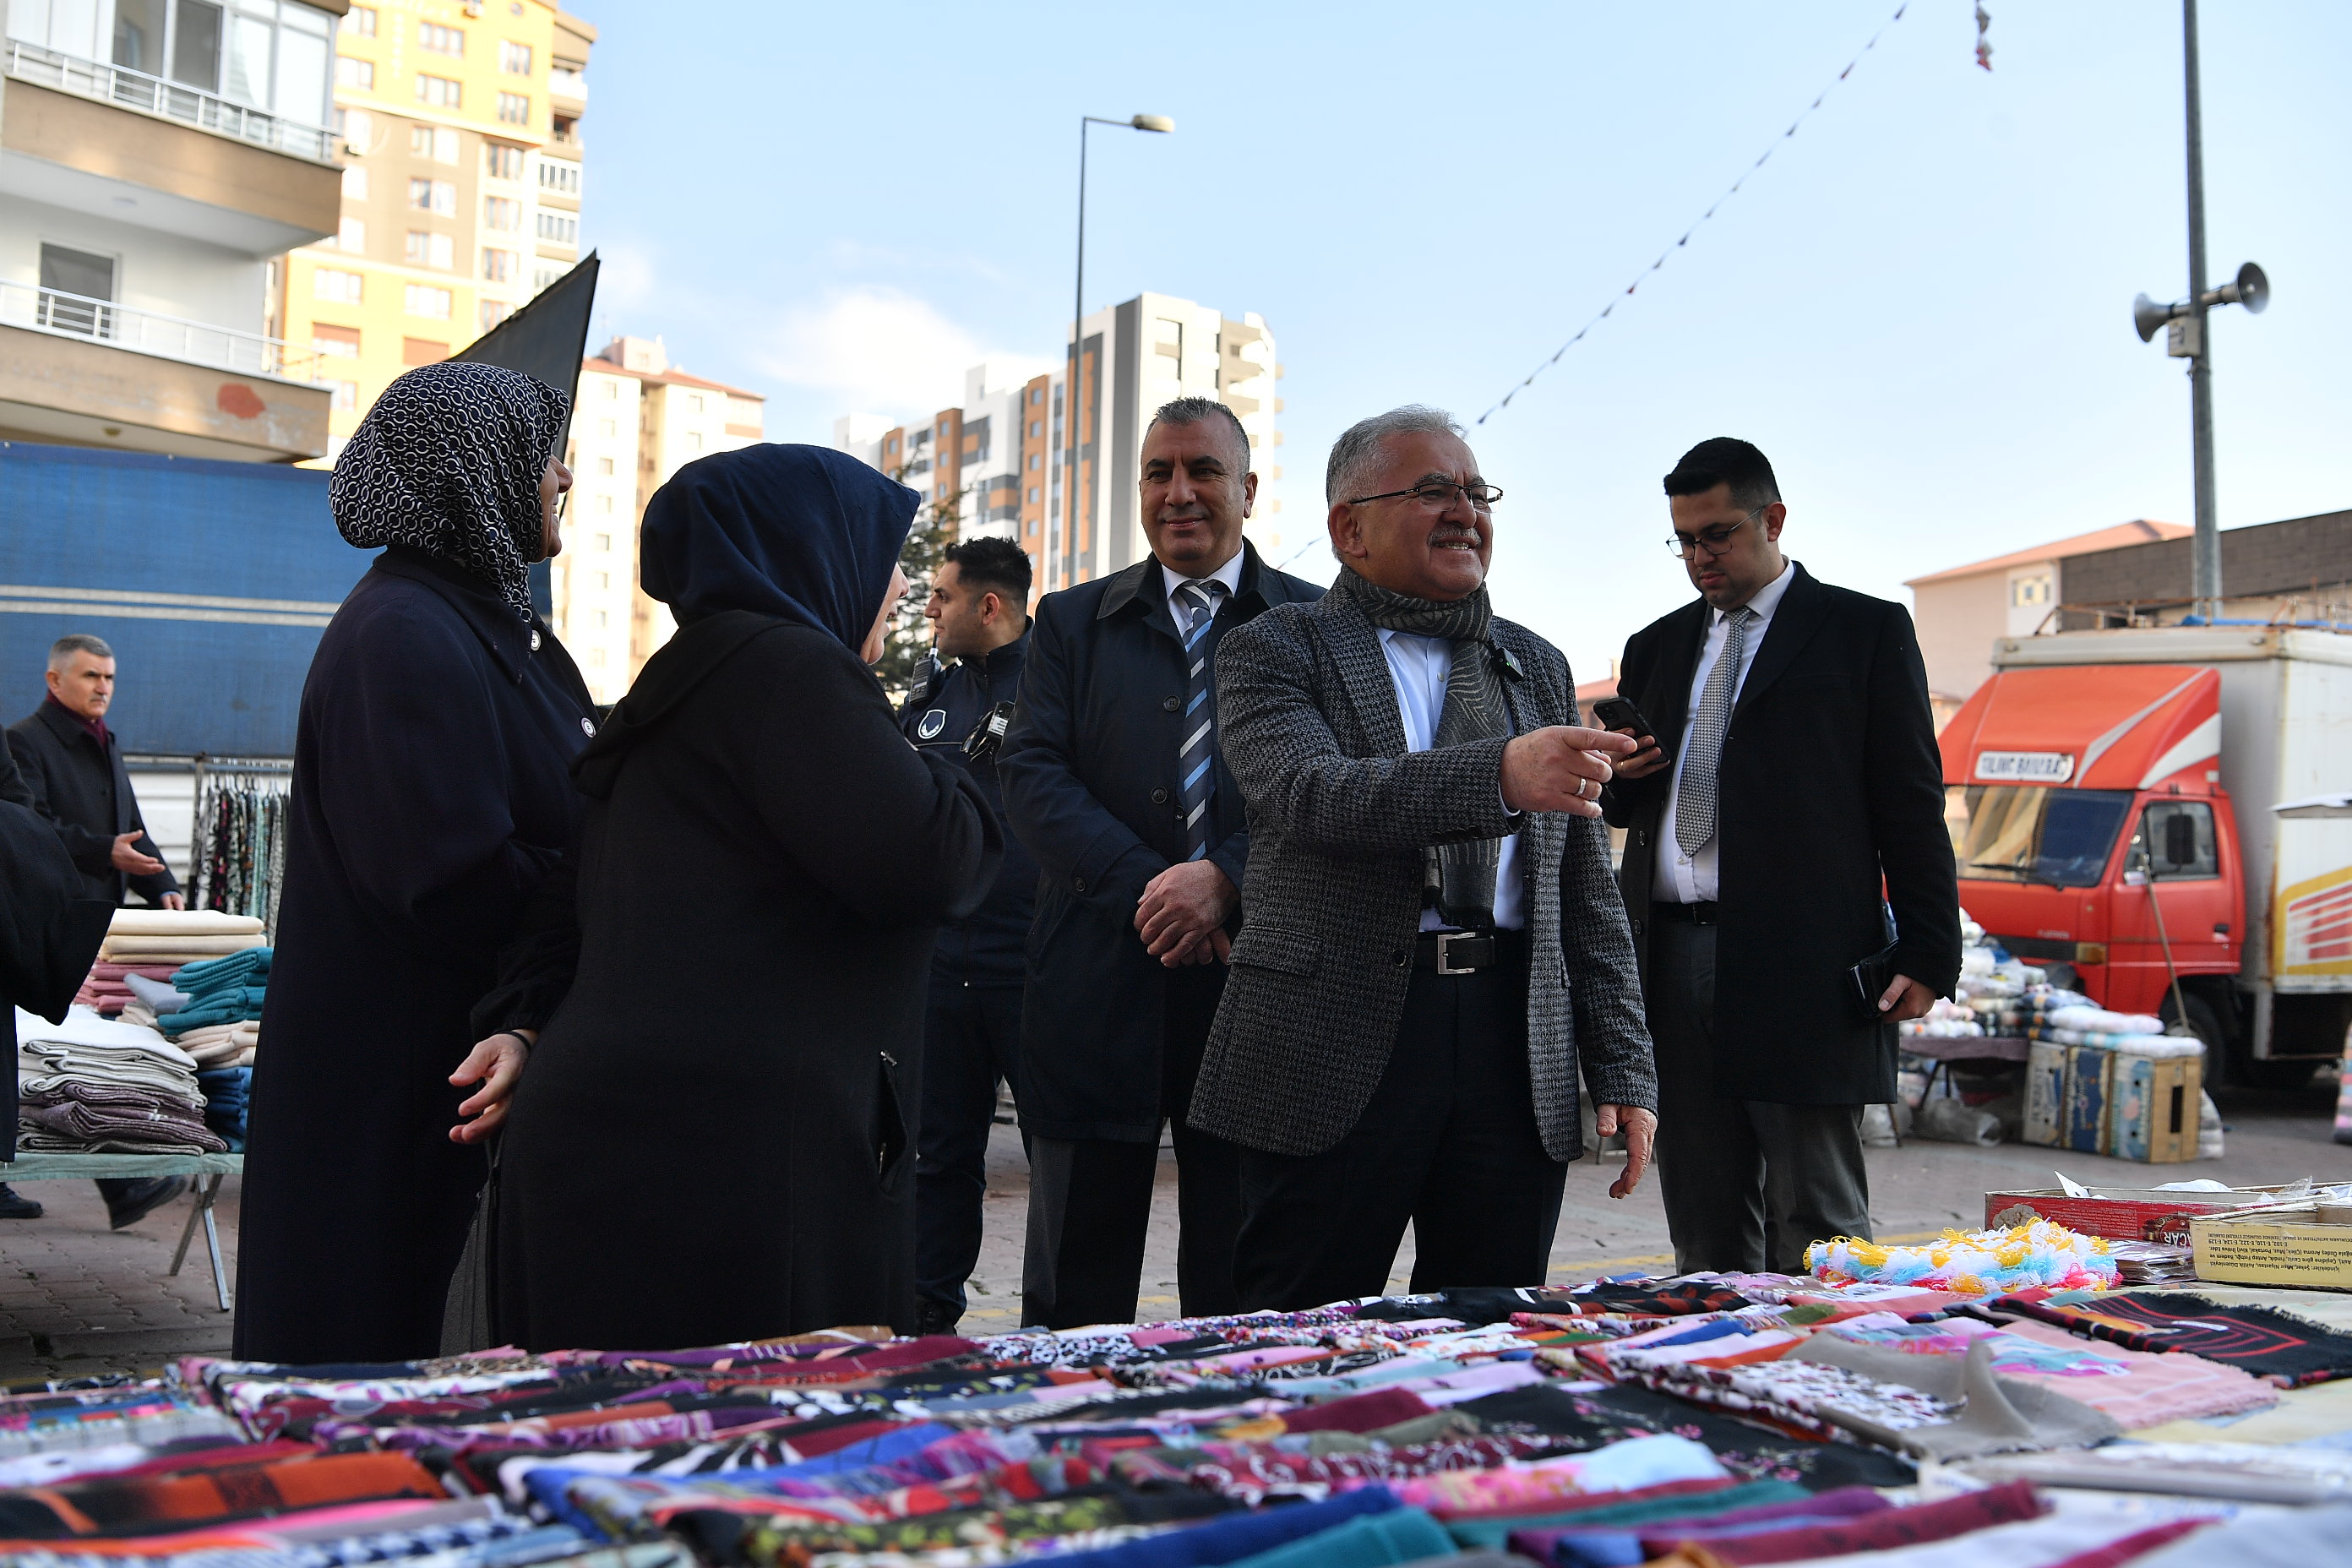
{"x": 712, "y": 1142}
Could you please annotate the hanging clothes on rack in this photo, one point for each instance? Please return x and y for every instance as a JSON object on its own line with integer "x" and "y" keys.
{"x": 239, "y": 850}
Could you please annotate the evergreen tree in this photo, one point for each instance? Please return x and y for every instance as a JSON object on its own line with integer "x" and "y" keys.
{"x": 909, "y": 637}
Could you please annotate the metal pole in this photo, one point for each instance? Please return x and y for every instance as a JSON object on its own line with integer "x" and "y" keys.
{"x": 2205, "y": 551}
{"x": 1057, "y": 563}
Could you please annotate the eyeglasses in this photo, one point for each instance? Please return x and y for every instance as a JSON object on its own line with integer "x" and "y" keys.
{"x": 1713, "y": 541}
{"x": 1437, "y": 495}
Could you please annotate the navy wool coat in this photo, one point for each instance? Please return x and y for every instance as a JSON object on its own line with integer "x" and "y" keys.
{"x": 1090, "y": 786}
{"x": 431, "y": 794}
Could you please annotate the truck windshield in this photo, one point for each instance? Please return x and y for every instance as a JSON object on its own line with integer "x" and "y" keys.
{"x": 2026, "y": 833}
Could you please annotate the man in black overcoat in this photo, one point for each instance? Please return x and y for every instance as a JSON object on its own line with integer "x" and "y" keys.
{"x": 1113, "y": 779}
{"x": 979, "y": 611}
{"x": 1752, "y": 902}
{"x": 70, "y": 762}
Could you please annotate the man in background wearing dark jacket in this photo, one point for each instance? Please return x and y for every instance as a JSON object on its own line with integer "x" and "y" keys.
{"x": 1752, "y": 902}
{"x": 73, "y": 768}
{"x": 979, "y": 611}
{"x": 70, "y": 761}
{"x": 1114, "y": 780}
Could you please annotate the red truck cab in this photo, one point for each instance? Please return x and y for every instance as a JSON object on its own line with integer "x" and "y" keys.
{"x": 2088, "y": 814}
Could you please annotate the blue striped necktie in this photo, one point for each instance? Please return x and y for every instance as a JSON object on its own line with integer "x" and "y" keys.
{"x": 1196, "y": 758}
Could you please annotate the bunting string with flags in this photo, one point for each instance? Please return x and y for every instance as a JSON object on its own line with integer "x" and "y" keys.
{"x": 1803, "y": 115}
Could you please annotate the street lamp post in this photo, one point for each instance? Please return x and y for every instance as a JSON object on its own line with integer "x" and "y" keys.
{"x": 1057, "y": 550}
{"x": 2186, "y": 336}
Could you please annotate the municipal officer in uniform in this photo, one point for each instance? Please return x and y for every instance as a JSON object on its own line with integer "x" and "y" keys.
{"x": 979, "y": 611}
{"x": 1114, "y": 780}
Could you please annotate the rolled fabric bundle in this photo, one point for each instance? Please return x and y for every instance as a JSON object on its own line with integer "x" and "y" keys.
{"x": 181, "y": 923}
{"x": 138, "y": 948}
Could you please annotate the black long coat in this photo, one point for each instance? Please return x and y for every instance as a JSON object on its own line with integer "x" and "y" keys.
{"x": 430, "y": 797}
{"x": 85, "y": 792}
{"x": 1830, "y": 781}
{"x": 49, "y": 931}
{"x": 1090, "y": 786}
{"x": 712, "y": 1142}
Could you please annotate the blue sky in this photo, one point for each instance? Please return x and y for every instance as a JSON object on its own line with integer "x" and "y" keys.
{"x": 1919, "y": 308}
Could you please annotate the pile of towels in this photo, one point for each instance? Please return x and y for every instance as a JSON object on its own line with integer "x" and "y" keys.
{"x": 98, "y": 1086}
{"x": 153, "y": 944}
{"x": 212, "y": 1009}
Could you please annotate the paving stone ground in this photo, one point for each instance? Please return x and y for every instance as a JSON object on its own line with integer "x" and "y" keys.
{"x": 77, "y": 1299}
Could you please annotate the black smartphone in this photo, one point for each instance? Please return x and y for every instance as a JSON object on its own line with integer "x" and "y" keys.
{"x": 1619, "y": 713}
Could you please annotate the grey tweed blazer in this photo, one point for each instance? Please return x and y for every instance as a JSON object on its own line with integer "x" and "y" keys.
{"x": 1339, "y": 814}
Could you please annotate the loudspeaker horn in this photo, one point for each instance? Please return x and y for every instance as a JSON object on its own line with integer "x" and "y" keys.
{"x": 2252, "y": 288}
{"x": 2148, "y": 317}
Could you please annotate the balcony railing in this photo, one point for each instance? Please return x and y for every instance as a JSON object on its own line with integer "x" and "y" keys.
{"x": 168, "y": 101}
{"x": 145, "y": 331}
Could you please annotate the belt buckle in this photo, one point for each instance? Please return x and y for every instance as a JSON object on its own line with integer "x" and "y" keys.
{"x": 1445, "y": 941}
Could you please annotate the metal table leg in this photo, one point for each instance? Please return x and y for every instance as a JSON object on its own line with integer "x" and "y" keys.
{"x": 205, "y": 1191}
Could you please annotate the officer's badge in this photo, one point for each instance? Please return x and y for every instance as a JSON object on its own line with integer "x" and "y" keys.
{"x": 929, "y": 726}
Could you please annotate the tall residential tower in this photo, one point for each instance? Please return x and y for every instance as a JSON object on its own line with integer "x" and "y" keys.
{"x": 1003, "y": 455}
{"x": 459, "y": 123}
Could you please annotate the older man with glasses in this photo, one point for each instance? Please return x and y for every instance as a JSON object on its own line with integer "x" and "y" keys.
{"x": 1793, "y": 773}
{"x": 1430, "y": 946}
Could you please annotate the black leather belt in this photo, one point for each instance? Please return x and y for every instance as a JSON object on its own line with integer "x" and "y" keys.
{"x": 1687, "y": 914}
{"x": 1468, "y": 951}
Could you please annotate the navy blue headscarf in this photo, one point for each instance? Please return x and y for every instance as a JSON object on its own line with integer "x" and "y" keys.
{"x": 804, "y": 533}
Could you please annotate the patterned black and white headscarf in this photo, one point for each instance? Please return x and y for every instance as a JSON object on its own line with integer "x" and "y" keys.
{"x": 448, "y": 462}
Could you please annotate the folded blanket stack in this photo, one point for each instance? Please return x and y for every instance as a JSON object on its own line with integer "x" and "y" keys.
{"x": 97, "y": 1086}
{"x": 108, "y": 989}
{"x": 151, "y": 945}
{"x": 211, "y": 1008}
{"x": 220, "y": 990}
{"x": 227, "y": 1092}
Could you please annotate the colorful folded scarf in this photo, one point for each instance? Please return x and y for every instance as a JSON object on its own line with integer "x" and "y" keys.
{"x": 2282, "y": 1350}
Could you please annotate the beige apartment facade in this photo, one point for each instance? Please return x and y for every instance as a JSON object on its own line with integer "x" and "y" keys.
{"x": 152, "y": 175}
{"x": 638, "y": 421}
{"x": 460, "y": 126}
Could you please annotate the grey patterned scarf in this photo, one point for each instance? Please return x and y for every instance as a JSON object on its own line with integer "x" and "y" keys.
{"x": 448, "y": 462}
{"x": 1458, "y": 878}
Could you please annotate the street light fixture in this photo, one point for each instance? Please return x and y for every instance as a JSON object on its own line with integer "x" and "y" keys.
{"x": 1057, "y": 550}
{"x": 2186, "y": 338}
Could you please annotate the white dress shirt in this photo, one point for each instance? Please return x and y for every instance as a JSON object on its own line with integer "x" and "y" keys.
{"x": 1418, "y": 668}
{"x": 1685, "y": 878}
{"x": 1230, "y": 575}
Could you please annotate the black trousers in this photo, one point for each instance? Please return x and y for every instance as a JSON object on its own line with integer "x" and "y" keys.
{"x": 1449, "y": 1141}
{"x": 1090, "y": 1198}
{"x": 968, "y": 1044}
{"x": 1747, "y": 1183}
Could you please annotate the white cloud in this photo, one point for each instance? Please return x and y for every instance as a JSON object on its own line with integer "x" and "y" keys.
{"x": 877, "y": 347}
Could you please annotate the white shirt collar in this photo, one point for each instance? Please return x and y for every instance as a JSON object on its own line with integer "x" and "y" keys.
{"x": 1230, "y": 575}
{"x": 1767, "y": 597}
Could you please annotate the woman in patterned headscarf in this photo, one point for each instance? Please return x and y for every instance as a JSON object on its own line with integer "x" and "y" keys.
{"x": 430, "y": 799}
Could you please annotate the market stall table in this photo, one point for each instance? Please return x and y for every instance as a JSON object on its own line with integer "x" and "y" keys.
{"x": 206, "y": 1170}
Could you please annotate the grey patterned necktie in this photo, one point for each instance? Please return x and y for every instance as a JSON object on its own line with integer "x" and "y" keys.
{"x": 1196, "y": 755}
{"x": 1695, "y": 800}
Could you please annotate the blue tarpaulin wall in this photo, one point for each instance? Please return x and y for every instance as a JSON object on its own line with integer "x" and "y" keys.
{"x": 212, "y": 581}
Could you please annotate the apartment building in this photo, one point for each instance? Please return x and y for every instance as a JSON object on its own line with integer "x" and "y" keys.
{"x": 459, "y": 122}
{"x": 639, "y": 420}
{"x": 1001, "y": 454}
{"x": 157, "y": 160}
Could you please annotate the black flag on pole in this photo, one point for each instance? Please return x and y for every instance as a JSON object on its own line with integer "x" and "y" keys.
{"x": 548, "y": 339}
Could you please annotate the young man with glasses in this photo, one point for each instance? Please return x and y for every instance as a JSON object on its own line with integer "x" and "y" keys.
{"x": 1429, "y": 945}
{"x": 1794, "y": 773}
